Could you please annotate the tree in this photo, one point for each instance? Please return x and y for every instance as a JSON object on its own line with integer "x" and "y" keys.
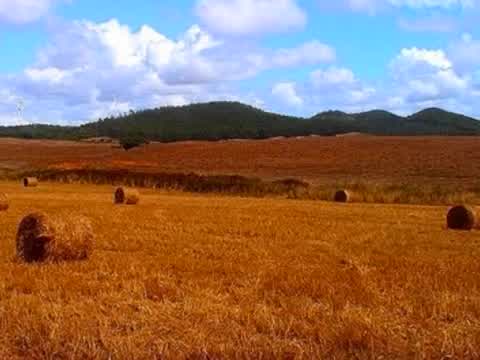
{"x": 132, "y": 141}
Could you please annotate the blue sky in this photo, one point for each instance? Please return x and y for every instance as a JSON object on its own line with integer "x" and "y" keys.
{"x": 72, "y": 61}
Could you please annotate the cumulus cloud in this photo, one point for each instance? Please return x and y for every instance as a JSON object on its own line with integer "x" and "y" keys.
{"x": 418, "y": 78}
{"x": 23, "y": 11}
{"x": 333, "y": 76}
{"x": 110, "y": 65}
{"x": 340, "y": 86}
{"x": 435, "y": 77}
{"x": 287, "y": 93}
{"x": 424, "y": 74}
{"x": 420, "y": 60}
{"x": 327, "y": 88}
{"x": 246, "y": 17}
{"x": 90, "y": 70}
{"x": 310, "y": 53}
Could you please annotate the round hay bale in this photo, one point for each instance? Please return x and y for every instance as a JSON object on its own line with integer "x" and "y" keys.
{"x": 343, "y": 196}
{"x": 461, "y": 217}
{"x": 3, "y": 202}
{"x": 30, "y": 182}
{"x": 126, "y": 196}
{"x": 42, "y": 238}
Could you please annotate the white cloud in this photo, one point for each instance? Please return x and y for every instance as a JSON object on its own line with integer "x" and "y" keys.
{"x": 87, "y": 67}
{"x": 339, "y": 87}
{"x": 414, "y": 61}
{"x": 97, "y": 69}
{"x": 362, "y": 95}
{"x": 287, "y": 93}
{"x": 330, "y": 88}
{"x": 310, "y": 53}
{"x": 426, "y": 77}
{"x": 23, "y": 11}
{"x": 423, "y": 74}
{"x": 419, "y": 78}
{"x": 245, "y": 17}
{"x": 435, "y": 58}
{"x": 47, "y": 75}
{"x": 333, "y": 76}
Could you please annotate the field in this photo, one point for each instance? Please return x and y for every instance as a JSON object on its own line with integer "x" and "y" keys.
{"x": 207, "y": 276}
{"x": 190, "y": 276}
{"x": 416, "y": 160}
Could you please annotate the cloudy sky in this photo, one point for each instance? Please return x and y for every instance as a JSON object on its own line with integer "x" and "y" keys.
{"x": 72, "y": 61}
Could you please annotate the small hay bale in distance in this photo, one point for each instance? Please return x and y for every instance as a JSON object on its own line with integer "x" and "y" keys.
{"x": 30, "y": 182}
{"x": 126, "y": 196}
{"x": 3, "y": 202}
{"x": 343, "y": 196}
{"x": 43, "y": 238}
{"x": 461, "y": 217}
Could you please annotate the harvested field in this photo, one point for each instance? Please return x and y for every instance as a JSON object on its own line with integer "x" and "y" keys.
{"x": 3, "y": 202}
{"x": 414, "y": 160}
{"x": 196, "y": 276}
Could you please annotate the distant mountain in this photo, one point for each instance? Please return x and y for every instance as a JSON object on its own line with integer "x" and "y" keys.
{"x": 229, "y": 120}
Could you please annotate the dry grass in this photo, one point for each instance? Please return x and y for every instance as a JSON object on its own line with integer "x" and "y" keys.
{"x": 366, "y": 192}
{"x": 379, "y": 193}
{"x": 54, "y": 238}
{"x": 210, "y": 277}
{"x": 4, "y": 205}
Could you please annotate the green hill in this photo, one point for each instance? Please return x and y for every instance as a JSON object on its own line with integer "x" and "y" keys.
{"x": 228, "y": 120}
{"x": 442, "y": 122}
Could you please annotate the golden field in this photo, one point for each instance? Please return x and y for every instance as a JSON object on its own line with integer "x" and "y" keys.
{"x": 206, "y": 277}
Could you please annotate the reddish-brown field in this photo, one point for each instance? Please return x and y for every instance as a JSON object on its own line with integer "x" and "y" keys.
{"x": 420, "y": 160}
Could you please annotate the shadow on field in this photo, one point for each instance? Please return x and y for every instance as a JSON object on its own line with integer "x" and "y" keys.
{"x": 224, "y": 184}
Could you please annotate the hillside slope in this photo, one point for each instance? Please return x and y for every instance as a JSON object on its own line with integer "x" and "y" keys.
{"x": 229, "y": 120}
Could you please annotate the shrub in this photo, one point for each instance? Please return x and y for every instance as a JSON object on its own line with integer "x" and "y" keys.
{"x": 133, "y": 141}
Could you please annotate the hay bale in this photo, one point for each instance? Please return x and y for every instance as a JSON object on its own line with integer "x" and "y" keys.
{"x": 42, "y": 238}
{"x": 30, "y": 182}
{"x": 344, "y": 196}
{"x": 461, "y": 217}
{"x": 126, "y": 196}
{"x": 3, "y": 202}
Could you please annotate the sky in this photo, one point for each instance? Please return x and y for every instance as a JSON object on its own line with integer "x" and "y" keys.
{"x": 74, "y": 61}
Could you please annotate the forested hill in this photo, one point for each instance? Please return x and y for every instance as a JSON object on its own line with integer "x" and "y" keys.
{"x": 228, "y": 120}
